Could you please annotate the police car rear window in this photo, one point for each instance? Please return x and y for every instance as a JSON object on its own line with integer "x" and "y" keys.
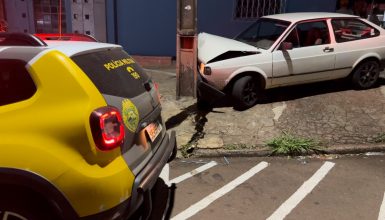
{"x": 113, "y": 72}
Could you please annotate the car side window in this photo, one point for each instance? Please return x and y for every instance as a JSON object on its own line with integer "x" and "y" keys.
{"x": 15, "y": 82}
{"x": 313, "y": 33}
{"x": 293, "y": 38}
{"x": 309, "y": 34}
{"x": 352, "y": 29}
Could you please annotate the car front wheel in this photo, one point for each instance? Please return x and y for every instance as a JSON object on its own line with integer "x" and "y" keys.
{"x": 245, "y": 92}
{"x": 366, "y": 74}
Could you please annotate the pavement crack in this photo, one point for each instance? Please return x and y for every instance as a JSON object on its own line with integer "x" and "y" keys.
{"x": 200, "y": 121}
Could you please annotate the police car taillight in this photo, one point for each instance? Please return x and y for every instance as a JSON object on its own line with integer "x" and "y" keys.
{"x": 107, "y": 128}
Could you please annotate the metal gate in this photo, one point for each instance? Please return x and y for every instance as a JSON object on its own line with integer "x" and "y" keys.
{"x": 252, "y": 9}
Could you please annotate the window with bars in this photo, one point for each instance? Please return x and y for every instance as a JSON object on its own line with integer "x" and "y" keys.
{"x": 252, "y": 9}
{"x": 47, "y": 16}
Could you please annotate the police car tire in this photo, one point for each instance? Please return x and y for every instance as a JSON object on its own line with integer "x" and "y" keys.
{"x": 19, "y": 203}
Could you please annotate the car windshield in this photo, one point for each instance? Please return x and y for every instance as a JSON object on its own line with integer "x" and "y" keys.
{"x": 263, "y": 33}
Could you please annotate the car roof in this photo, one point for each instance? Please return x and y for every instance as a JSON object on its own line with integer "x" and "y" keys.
{"x": 28, "y": 47}
{"x": 300, "y": 16}
{"x": 71, "y": 48}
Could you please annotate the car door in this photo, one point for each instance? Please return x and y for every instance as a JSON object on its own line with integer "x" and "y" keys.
{"x": 355, "y": 40}
{"x": 311, "y": 58}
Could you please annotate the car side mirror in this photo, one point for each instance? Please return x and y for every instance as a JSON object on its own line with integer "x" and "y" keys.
{"x": 286, "y": 46}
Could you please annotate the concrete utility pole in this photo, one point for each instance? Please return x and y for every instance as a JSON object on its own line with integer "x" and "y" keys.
{"x": 186, "y": 54}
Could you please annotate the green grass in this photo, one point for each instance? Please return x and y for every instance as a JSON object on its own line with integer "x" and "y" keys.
{"x": 187, "y": 150}
{"x": 290, "y": 145}
{"x": 235, "y": 147}
{"x": 380, "y": 138}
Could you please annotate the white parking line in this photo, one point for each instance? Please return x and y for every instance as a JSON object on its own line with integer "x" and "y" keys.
{"x": 382, "y": 89}
{"x": 381, "y": 216}
{"x": 165, "y": 174}
{"x": 193, "y": 172}
{"x": 301, "y": 193}
{"x": 194, "y": 209}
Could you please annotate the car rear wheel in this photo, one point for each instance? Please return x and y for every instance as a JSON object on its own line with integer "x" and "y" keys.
{"x": 366, "y": 74}
{"x": 245, "y": 92}
{"x": 21, "y": 204}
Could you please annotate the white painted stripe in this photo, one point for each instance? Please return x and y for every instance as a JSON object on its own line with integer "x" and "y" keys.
{"x": 381, "y": 216}
{"x": 279, "y": 110}
{"x": 194, "y": 172}
{"x": 194, "y": 209}
{"x": 165, "y": 174}
{"x": 302, "y": 192}
{"x": 382, "y": 89}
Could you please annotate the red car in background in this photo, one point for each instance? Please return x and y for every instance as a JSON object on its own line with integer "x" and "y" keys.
{"x": 65, "y": 37}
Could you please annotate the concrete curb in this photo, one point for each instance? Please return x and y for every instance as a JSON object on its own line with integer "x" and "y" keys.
{"x": 264, "y": 152}
{"x": 168, "y": 73}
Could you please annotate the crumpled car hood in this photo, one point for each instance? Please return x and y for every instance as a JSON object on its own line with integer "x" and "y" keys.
{"x": 211, "y": 46}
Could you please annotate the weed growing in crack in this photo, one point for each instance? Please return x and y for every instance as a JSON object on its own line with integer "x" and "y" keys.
{"x": 290, "y": 145}
{"x": 200, "y": 121}
{"x": 187, "y": 149}
{"x": 236, "y": 147}
{"x": 380, "y": 138}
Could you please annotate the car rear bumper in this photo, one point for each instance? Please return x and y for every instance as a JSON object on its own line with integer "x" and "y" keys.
{"x": 144, "y": 183}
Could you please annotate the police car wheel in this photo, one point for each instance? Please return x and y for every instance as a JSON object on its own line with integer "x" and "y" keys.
{"x": 21, "y": 204}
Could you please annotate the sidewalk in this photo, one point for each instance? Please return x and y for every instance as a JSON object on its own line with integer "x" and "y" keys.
{"x": 343, "y": 120}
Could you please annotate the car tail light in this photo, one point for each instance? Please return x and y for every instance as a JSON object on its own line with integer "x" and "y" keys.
{"x": 107, "y": 128}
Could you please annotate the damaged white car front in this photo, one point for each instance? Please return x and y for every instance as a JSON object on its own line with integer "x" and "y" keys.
{"x": 239, "y": 67}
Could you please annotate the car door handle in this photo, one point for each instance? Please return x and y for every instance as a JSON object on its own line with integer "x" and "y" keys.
{"x": 328, "y": 49}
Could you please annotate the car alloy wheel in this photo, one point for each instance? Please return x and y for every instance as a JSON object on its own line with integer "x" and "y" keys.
{"x": 9, "y": 215}
{"x": 17, "y": 203}
{"x": 245, "y": 92}
{"x": 250, "y": 93}
{"x": 366, "y": 75}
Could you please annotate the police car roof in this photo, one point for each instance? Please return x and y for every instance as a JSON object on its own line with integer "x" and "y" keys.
{"x": 71, "y": 48}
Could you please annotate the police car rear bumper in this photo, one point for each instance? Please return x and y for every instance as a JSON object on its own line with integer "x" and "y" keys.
{"x": 145, "y": 181}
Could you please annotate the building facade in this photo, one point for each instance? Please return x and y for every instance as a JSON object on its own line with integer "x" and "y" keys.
{"x": 89, "y": 17}
{"x": 149, "y": 27}
{"x": 3, "y": 24}
{"x": 44, "y": 16}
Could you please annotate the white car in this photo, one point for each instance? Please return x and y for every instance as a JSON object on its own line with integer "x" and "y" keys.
{"x": 288, "y": 49}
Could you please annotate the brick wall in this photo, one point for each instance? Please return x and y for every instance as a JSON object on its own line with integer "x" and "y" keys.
{"x": 153, "y": 61}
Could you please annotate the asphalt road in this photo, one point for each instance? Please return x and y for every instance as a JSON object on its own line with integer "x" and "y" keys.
{"x": 348, "y": 187}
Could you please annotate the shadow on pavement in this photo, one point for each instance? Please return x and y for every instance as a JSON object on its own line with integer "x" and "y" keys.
{"x": 297, "y": 92}
{"x": 161, "y": 204}
{"x": 176, "y": 120}
{"x": 200, "y": 121}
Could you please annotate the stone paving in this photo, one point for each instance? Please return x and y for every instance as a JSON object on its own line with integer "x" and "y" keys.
{"x": 330, "y": 112}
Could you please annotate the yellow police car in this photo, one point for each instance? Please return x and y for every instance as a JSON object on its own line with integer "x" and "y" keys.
{"x": 81, "y": 133}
